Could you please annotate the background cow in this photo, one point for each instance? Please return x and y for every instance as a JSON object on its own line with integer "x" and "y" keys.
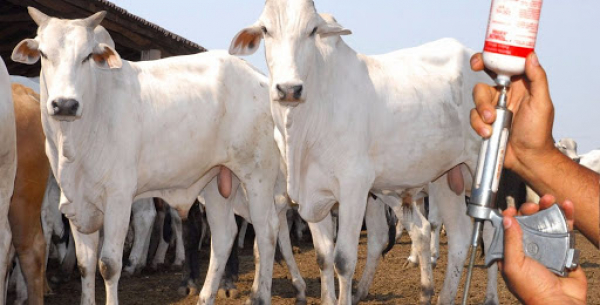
{"x": 8, "y": 168}
{"x": 30, "y": 183}
{"x": 118, "y": 131}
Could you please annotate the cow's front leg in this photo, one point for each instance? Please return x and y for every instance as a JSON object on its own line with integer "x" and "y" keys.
{"x": 353, "y": 201}
{"x": 144, "y": 214}
{"x": 116, "y": 224}
{"x": 453, "y": 212}
{"x": 286, "y": 250}
{"x": 322, "y": 236}
{"x": 435, "y": 223}
{"x": 191, "y": 266}
{"x": 420, "y": 234}
{"x": 221, "y": 220}
{"x": 180, "y": 255}
{"x": 377, "y": 239}
{"x": 266, "y": 224}
{"x": 86, "y": 249}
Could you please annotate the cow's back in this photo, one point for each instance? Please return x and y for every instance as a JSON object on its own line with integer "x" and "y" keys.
{"x": 422, "y": 110}
{"x": 198, "y": 110}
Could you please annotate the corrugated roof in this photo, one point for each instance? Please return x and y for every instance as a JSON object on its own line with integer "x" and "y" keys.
{"x": 111, "y": 6}
{"x": 132, "y": 34}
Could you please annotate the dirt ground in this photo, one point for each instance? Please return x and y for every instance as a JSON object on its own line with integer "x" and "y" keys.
{"x": 393, "y": 284}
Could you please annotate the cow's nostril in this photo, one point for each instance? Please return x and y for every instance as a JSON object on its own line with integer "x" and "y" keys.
{"x": 55, "y": 107}
{"x": 297, "y": 91}
{"x": 74, "y": 108}
{"x": 280, "y": 92}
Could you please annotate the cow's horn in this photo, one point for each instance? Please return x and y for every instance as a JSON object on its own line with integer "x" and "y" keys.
{"x": 94, "y": 20}
{"x": 37, "y": 16}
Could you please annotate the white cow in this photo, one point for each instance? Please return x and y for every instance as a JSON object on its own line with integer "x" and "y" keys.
{"x": 8, "y": 168}
{"x": 220, "y": 214}
{"x": 590, "y": 160}
{"x": 143, "y": 214}
{"x": 349, "y": 125}
{"x": 163, "y": 245}
{"x": 118, "y": 131}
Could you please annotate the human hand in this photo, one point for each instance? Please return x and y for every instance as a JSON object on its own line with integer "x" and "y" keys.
{"x": 526, "y": 278}
{"x": 533, "y": 114}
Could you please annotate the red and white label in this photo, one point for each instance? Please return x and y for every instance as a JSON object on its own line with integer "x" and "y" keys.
{"x": 512, "y": 28}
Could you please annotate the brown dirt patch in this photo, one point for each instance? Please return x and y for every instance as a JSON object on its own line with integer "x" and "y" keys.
{"x": 392, "y": 284}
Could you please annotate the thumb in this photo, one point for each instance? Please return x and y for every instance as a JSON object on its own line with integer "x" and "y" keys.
{"x": 537, "y": 76}
{"x": 514, "y": 256}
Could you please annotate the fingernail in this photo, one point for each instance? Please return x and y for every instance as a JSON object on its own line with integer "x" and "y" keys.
{"x": 485, "y": 132}
{"x": 474, "y": 60}
{"x": 506, "y": 222}
{"x": 487, "y": 116}
{"x": 534, "y": 60}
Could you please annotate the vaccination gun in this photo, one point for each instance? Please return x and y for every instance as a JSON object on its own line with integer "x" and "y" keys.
{"x": 546, "y": 237}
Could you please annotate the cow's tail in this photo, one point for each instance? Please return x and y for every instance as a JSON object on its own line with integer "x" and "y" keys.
{"x": 167, "y": 232}
{"x": 391, "y": 220}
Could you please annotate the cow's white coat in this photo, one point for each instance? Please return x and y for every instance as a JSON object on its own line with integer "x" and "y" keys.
{"x": 8, "y": 168}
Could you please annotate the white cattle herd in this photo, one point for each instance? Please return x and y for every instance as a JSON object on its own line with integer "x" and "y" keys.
{"x": 329, "y": 128}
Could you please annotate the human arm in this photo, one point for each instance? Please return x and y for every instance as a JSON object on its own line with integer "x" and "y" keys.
{"x": 531, "y": 152}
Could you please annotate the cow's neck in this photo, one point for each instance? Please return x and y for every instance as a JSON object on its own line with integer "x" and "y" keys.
{"x": 87, "y": 141}
{"x": 311, "y": 128}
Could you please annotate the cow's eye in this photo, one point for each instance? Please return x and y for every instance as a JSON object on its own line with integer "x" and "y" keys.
{"x": 314, "y": 31}
{"x": 264, "y": 29}
{"x": 87, "y": 58}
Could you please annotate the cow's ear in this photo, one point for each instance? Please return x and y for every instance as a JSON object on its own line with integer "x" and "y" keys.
{"x": 330, "y": 27}
{"x": 246, "y": 42}
{"x": 27, "y": 52}
{"x": 106, "y": 57}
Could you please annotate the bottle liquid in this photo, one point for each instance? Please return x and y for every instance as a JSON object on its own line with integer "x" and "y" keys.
{"x": 511, "y": 35}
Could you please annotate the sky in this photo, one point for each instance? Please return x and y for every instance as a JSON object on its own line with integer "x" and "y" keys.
{"x": 568, "y": 40}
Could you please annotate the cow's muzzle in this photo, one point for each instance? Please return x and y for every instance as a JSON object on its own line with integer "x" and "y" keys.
{"x": 65, "y": 108}
{"x": 289, "y": 93}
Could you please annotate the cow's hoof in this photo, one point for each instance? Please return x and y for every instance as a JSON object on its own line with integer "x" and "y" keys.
{"x": 182, "y": 291}
{"x": 301, "y": 302}
{"x": 232, "y": 293}
{"x": 409, "y": 265}
{"x": 20, "y": 302}
{"x": 255, "y": 301}
{"x": 491, "y": 299}
{"x": 433, "y": 263}
{"x": 176, "y": 268}
{"x": 160, "y": 267}
{"x": 192, "y": 291}
{"x": 126, "y": 274}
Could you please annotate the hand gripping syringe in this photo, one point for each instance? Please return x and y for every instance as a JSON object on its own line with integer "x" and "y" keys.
{"x": 546, "y": 237}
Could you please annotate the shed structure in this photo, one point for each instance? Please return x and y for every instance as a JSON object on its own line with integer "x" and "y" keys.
{"x": 135, "y": 38}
